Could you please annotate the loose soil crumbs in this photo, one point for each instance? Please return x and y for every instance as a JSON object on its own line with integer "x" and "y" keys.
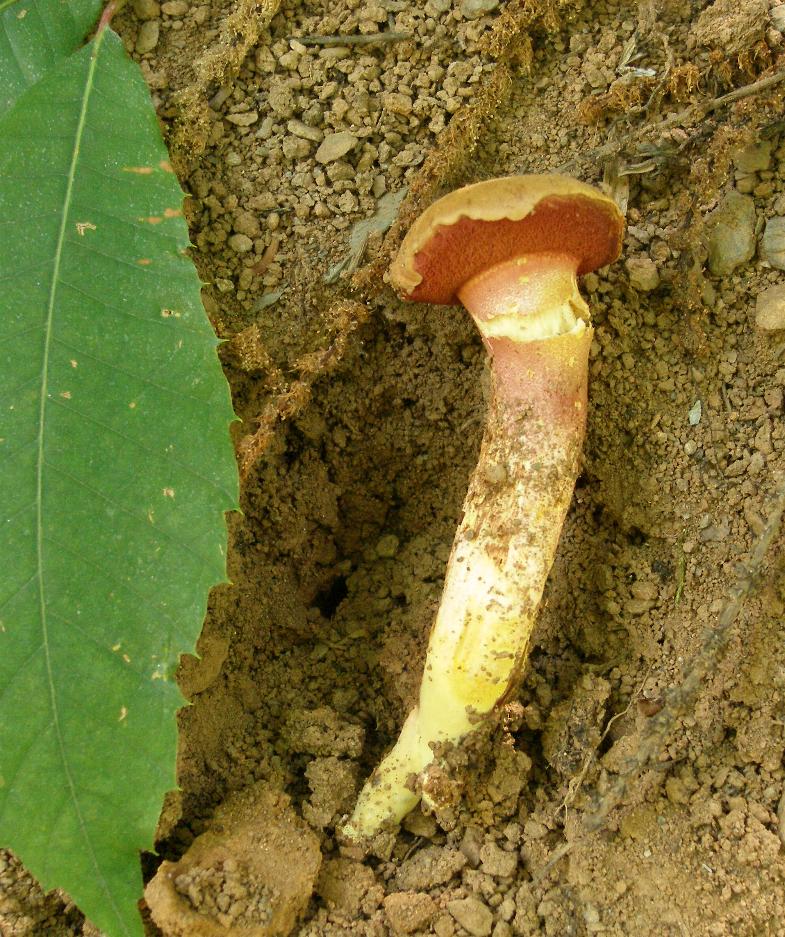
{"x": 285, "y": 139}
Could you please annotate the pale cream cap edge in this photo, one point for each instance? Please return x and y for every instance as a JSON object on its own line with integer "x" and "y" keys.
{"x": 510, "y": 197}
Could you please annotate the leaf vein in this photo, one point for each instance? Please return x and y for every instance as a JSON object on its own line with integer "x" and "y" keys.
{"x": 172, "y": 391}
{"x": 190, "y": 470}
{"x": 44, "y": 397}
{"x": 159, "y": 610}
{"x": 153, "y": 532}
{"x": 157, "y": 321}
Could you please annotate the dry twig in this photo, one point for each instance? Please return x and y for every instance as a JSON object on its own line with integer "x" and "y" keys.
{"x": 358, "y": 39}
{"x": 695, "y": 111}
{"x": 679, "y": 699}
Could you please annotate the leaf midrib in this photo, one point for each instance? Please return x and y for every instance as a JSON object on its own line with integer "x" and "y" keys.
{"x": 40, "y": 462}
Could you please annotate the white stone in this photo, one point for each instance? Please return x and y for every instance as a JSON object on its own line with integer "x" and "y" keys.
{"x": 773, "y": 243}
{"x": 147, "y": 39}
{"x": 474, "y": 9}
{"x": 335, "y": 145}
{"x": 240, "y": 243}
{"x": 770, "y": 308}
{"x": 643, "y": 273}
{"x": 731, "y": 233}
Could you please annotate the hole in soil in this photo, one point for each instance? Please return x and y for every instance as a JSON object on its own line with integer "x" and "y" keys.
{"x": 605, "y": 745}
{"x": 328, "y": 600}
{"x": 636, "y": 537}
{"x": 663, "y": 570}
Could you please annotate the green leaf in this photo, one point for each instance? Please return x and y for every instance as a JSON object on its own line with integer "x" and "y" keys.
{"x": 35, "y": 35}
{"x": 115, "y": 470}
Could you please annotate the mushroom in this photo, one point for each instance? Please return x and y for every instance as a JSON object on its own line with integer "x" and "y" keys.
{"x": 509, "y": 250}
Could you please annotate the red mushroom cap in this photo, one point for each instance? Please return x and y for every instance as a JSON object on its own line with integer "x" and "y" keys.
{"x": 480, "y": 225}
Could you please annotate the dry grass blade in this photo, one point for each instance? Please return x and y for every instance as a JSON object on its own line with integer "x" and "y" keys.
{"x": 696, "y": 110}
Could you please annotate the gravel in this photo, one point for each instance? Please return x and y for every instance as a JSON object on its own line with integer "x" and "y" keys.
{"x": 336, "y": 145}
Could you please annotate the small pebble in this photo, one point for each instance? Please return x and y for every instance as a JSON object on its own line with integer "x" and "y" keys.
{"x": 756, "y": 464}
{"x": 472, "y": 915}
{"x": 732, "y": 233}
{"x": 497, "y": 862}
{"x": 534, "y": 829}
{"x": 507, "y": 908}
{"x": 643, "y": 274}
{"x": 773, "y": 243}
{"x": 676, "y": 791}
{"x": 397, "y": 103}
{"x": 770, "y": 308}
{"x": 474, "y": 9}
{"x": 591, "y": 915}
{"x": 420, "y": 824}
{"x": 244, "y": 119}
{"x": 295, "y": 148}
{"x": 444, "y": 926}
{"x": 746, "y": 184}
{"x": 289, "y": 60}
{"x": 147, "y": 39}
{"x": 471, "y": 844}
{"x": 147, "y": 9}
{"x": 754, "y": 158}
{"x": 335, "y": 145}
{"x": 300, "y": 129}
{"x": 647, "y": 591}
{"x": 247, "y": 223}
{"x": 638, "y": 606}
{"x": 714, "y": 533}
{"x": 175, "y": 8}
{"x": 594, "y": 75}
{"x": 240, "y": 243}
{"x": 387, "y": 546}
{"x": 409, "y": 911}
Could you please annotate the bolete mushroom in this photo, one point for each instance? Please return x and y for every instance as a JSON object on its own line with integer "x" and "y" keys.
{"x": 510, "y": 250}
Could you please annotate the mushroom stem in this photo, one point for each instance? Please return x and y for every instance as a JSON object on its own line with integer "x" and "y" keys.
{"x": 536, "y": 327}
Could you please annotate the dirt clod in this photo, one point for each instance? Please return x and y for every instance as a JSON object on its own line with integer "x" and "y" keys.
{"x": 408, "y": 912}
{"x": 473, "y": 916}
{"x": 251, "y": 874}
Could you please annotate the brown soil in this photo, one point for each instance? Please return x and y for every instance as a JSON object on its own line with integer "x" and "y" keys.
{"x": 362, "y": 418}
